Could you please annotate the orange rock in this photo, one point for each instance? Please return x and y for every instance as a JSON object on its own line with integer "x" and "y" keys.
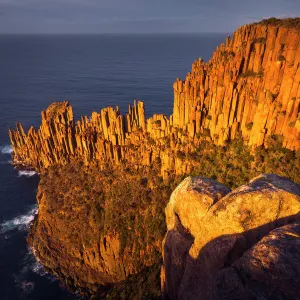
{"x": 209, "y": 229}
{"x": 250, "y": 86}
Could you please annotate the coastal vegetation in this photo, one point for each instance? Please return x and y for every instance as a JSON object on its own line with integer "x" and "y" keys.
{"x": 287, "y": 23}
{"x": 87, "y": 204}
{"x": 106, "y": 180}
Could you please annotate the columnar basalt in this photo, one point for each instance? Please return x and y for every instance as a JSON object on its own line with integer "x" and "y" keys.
{"x": 59, "y": 139}
{"x": 250, "y": 87}
{"x": 97, "y": 228}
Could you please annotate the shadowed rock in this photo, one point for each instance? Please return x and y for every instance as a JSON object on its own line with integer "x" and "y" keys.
{"x": 269, "y": 270}
{"x": 218, "y": 239}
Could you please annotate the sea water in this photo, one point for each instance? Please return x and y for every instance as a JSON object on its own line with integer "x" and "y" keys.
{"x": 92, "y": 72}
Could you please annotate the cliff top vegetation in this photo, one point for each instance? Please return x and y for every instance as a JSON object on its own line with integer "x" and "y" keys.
{"x": 56, "y": 108}
{"x": 287, "y": 23}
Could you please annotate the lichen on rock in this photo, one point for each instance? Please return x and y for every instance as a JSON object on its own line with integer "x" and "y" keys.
{"x": 219, "y": 239}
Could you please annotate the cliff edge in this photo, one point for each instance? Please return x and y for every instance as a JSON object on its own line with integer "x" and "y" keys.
{"x": 106, "y": 179}
{"x": 250, "y": 88}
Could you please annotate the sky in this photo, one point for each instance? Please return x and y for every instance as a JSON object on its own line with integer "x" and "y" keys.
{"x": 137, "y": 16}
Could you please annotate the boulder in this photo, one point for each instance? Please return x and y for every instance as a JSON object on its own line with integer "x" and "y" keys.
{"x": 269, "y": 270}
{"x": 221, "y": 235}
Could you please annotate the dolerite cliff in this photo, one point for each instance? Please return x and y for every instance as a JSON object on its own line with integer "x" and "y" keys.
{"x": 95, "y": 228}
{"x": 250, "y": 87}
{"x": 224, "y": 244}
{"x": 106, "y": 179}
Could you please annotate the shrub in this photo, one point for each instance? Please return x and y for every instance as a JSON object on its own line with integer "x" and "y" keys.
{"x": 157, "y": 123}
{"x": 250, "y": 73}
{"x": 228, "y": 55}
{"x": 272, "y": 96}
{"x": 206, "y": 132}
{"x": 288, "y": 23}
{"x": 260, "y": 40}
{"x": 180, "y": 154}
{"x": 249, "y": 125}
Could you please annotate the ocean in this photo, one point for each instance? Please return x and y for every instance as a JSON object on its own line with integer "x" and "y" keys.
{"x": 92, "y": 72}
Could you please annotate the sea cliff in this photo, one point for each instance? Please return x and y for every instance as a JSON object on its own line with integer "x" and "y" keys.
{"x": 106, "y": 179}
{"x": 250, "y": 88}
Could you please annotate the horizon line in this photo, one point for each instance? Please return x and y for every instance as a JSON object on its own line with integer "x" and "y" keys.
{"x": 112, "y": 33}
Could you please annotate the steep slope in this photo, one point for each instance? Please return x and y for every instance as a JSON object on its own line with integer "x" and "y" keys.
{"x": 250, "y": 87}
{"x": 105, "y": 180}
{"x": 95, "y": 228}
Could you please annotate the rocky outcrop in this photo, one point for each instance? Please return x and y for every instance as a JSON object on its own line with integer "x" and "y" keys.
{"x": 269, "y": 270}
{"x": 250, "y": 87}
{"x": 59, "y": 140}
{"x": 95, "y": 229}
{"x": 220, "y": 244}
{"x": 98, "y": 228}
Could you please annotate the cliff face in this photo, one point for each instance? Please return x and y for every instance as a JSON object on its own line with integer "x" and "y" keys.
{"x": 250, "y": 87}
{"x": 220, "y": 244}
{"x": 94, "y": 229}
{"x": 101, "y": 197}
{"x": 58, "y": 139}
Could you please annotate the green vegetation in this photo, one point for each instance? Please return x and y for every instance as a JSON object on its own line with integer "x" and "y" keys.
{"x": 235, "y": 164}
{"x": 287, "y": 23}
{"x": 244, "y": 45}
{"x": 141, "y": 286}
{"x": 273, "y": 97}
{"x": 249, "y": 126}
{"x": 88, "y": 203}
{"x": 157, "y": 123}
{"x": 206, "y": 132}
{"x": 281, "y": 58}
{"x": 228, "y": 55}
{"x": 250, "y": 73}
{"x": 260, "y": 40}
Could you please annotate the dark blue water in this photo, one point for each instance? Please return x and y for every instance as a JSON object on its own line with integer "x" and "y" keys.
{"x": 91, "y": 72}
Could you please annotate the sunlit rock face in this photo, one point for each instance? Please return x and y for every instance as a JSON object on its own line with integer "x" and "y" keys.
{"x": 210, "y": 248}
{"x": 250, "y": 87}
{"x": 94, "y": 229}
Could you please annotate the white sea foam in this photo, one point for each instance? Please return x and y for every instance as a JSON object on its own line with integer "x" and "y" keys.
{"x": 27, "y": 173}
{"x": 38, "y": 268}
{"x": 26, "y": 286}
{"x": 7, "y": 149}
{"x": 21, "y": 222}
{"x": 30, "y": 265}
